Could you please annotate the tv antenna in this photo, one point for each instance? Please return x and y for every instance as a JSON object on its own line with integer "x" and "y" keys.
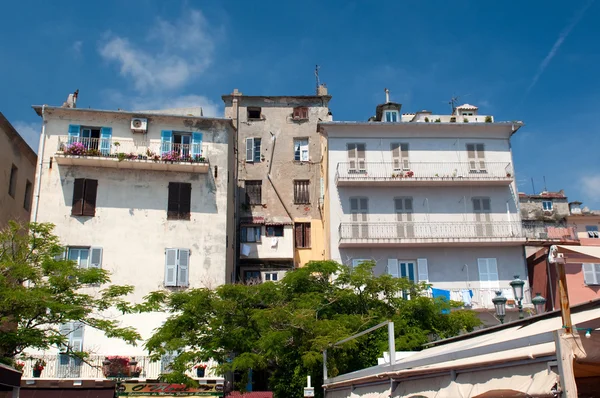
{"x": 317, "y": 67}
{"x": 454, "y": 101}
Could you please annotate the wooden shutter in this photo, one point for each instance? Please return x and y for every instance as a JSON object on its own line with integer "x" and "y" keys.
{"x": 360, "y": 157}
{"x": 589, "y": 275}
{"x": 249, "y": 149}
{"x": 95, "y": 257}
{"x": 392, "y": 267}
{"x": 352, "y": 157}
{"x": 183, "y": 268}
{"x": 105, "y": 140}
{"x": 78, "y": 189}
{"x": 257, "y": 150}
{"x": 185, "y": 199}
{"x": 173, "y": 201}
{"x": 396, "y": 156}
{"x": 404, "y": 156}
{"x": 423, "y": 272}
{"x": 196, "y": 144}
{"x": 166, "y": 141}
{"x": 480, "y": 156}
{"x": 301, "y": 192}
{"x": 476, "y": 205}
{"x": 363, "y": 207}
{"x": 76, "y": 337}
{"x": 89, "y": 198}
{"x": 485, "y": 205}
{"x": 306, "y": 234}
{"x": 471, "y": 156}
{"x": 298, "y": 234}
{"x": 399, "y": 205}
{"x": 171, "y": 267}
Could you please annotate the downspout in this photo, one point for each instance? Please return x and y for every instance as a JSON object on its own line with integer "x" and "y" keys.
{"x": 236, "y": 196}
{"x": 38, "y": 172}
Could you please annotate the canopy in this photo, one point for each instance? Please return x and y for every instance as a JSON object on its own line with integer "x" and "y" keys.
{"x": 579, "y": 253}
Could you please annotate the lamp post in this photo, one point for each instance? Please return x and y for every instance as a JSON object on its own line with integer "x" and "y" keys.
{"x": 500, "y": 304}
{"x": 517, "y": 286}
{"x": 539, "y": 303}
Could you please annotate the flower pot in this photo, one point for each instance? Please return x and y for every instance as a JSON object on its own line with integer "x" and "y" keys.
{"x": 200, "y": 372}
{"x": 37, "y": 372}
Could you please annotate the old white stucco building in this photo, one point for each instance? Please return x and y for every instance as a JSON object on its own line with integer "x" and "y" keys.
{"x": 427, "y": 197}
{"x": 146, "y": 196}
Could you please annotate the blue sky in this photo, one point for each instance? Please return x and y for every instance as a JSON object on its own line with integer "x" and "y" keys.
{"x": 535, "y": 61}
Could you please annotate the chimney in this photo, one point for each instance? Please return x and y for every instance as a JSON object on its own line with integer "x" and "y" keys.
{"x": 322, "y": 90}
{"x": 387, "y": 95}
{"x": 574, "y": 207}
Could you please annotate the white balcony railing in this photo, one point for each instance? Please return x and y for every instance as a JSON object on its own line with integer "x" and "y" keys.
{"x": 376, "y": 231}
{"x": 412, "y": 172}
{"x": 63, "y": 367}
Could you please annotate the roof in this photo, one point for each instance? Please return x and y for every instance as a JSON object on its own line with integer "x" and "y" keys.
{"x": 467, "y": 106}
{"x": 14, "y": 135}
{"x": 38, "y": 110}
{"x": 515, "y": 125}
{"x": 544, "y": 195}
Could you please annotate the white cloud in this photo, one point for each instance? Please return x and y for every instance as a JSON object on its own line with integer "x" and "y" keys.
{"x": 561, "y": 38}
{"x": 177, "y": 53}
{"x": 591, "y": 186}
{"x": 30, "y": 133}
{"x": 76, "y": 47}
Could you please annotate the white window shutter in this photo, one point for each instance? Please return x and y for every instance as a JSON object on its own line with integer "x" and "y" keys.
{"x": 76, "y": 337}
{"x": 96, "y": 257}
{"x": 422, "y": 270}
{"x": 589, "y": 277}
{"x": 484, "y": 278}
{"x": 392, "y": 268}
{"x": 183, "y": 268}
{"x": 249, "y": 149}
{"x": 493, "y": 273}
{"x": 171, "y": 267}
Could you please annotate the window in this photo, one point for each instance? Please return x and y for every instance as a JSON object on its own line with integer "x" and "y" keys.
{"x": 302, "y": 235}
{"x": 252, "y": 276}
{"x": 250, "y": 234}
{"x": 84, "y": 197}
{"x": 300, "y": 113}
{"x": 271, "y": 276}
{"x": 359, "y": 208}
{"x": 405, "y": 227}
{"x": 85, "y": 257}
{"x": 414, "y": 271}
{"x": 488, "y": 273}
{"x": 73, "y": 331}
{"x": 356, "y": 158}
{"x": 483, "y": 220}
{"x": 591, "y": 273}
{"x": 391, "y": 116}
{"x": 253, "y": 150}
{"x": 400, "y": 156}
{"x": 547, "y": 205}
{"x": 592, "y": 231}
{"x": 254, "y": 192}
{"x": 301, "y": 149}
{"x": 274, "y": 230}
{"x": 97, "y": 138}
{"x": 481, "y": 205}
{"x": 177, "y": 263}
{"x": 357, "y": 261}
{"x": 301, "y": 192}
{"x": 476, "y": 157}
{"x": 254, "y": 112}
{"x": 12, "y": 184}
{"x": 179, "y": 202}
{"x": 27, "y": 200}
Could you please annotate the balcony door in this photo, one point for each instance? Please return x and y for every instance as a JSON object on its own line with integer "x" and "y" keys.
{"x": 404, "y": 217}
{"x": 356, "y": 158}
{"x": 476, "y": 155}
{"x": 359, "y": 208}
{"x": 483, "y": 219}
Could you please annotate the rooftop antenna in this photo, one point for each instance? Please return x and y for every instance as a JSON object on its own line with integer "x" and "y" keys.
{"x": 453, "y": 101}
{"x": 532, "y": 186}
{"x": 317, "y": 67}
{"x": 387, "y": 95}
{"x": 545, "y": 189}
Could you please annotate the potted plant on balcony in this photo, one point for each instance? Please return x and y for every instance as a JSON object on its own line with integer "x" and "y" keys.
{"x": 200, "y": 370}
{"x": 136, "y": 371}
{"x": 19, "y": 366}
{"x": 38, "y": 366}
{"x": 116, "y": 366}
{"x": 409, "y": 173}
{"x": 76, "y": 149}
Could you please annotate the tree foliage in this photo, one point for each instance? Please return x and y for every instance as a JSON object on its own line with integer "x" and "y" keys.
{"x": 282, "y": 328}
{"x": 40, "y": 290}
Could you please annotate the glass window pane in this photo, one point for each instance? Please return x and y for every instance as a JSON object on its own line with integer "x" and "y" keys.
{"x": 83, "y": 258}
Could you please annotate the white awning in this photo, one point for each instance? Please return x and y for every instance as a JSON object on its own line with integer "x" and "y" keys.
{"x": 580, "y": 253}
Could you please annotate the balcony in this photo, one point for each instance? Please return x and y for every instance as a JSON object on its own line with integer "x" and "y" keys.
{"x": 131, "y": 154}
{"x": 548, "y": 232}
{"x": 63, "y": 367}
{"x": 423, "y": 173}
{"x": 382, "y": 234}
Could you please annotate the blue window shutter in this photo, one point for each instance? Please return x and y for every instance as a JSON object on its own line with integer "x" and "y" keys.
{"x": 74, "y": 133}
{"x": 166, "y": 141}
{"x": 171, "y": 267}
{"x": 196, "y": 144}
{"x": 105, "y": 140}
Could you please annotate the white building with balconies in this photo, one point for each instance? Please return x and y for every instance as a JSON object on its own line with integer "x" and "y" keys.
{"x": 147, "y": 196}
{"x": 427, "y": 197}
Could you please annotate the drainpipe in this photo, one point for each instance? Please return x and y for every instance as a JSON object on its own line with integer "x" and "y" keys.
{"x": 236, "y": 195}
{"x": 38, "y": 172}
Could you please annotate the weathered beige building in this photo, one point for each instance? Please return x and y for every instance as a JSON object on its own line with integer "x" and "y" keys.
{"x": 17, "y": 165}
{"x": 280, "y": 189}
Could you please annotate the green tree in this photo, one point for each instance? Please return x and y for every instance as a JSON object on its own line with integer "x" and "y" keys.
{"x": 282, "y": 328}
{"x": 40, "y": 290}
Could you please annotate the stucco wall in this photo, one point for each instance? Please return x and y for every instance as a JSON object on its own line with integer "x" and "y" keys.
{"x": 277, "y": 131}
{"x": 531, "y": 208}
{"x": 131, "y": 212}
{"x": 14, "y": 151}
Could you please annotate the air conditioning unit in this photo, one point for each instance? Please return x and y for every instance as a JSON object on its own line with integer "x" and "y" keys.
{"x": 139, "y": 125}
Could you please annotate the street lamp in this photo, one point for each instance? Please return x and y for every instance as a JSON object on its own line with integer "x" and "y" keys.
{"x": 539, "y": 302}
{"x": 517, "y": 286}
{"x": 500, "y": 304}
